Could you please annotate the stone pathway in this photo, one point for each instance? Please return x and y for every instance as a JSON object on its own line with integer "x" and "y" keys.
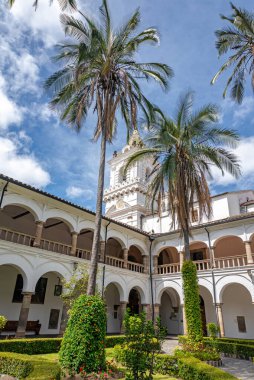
{"x": 169, "y": 345}
{"x": 242, "y": 369}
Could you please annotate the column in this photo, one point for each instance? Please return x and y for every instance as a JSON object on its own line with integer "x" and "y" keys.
{"x": 74, "y": 239}
{"x": 23, "y": 315}
{"x": 125, "y": 257}
{"x": 181, "y": 254}
{"x": 156, "y": 311}
{"x": 64, "y": 320}
{"x": 145, "y": 263}
{"x": 102, "y": 251}
{"x": 38, "y": 234}
{"x": 248, "y": 252}
{"x": 185, "y": 329}
{"x": 212, "y": 257}
{"x": 148, "y": 310}
{"x": 122, "y": 311}
{"x": 155, "y": 264}
{"x": 220, "y": 319}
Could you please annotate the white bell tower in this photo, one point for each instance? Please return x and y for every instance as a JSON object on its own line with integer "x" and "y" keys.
{"x": 125, "y": 198}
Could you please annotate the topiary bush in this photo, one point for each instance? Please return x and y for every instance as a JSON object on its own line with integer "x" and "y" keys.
{"x": 3, "y": 321}
{"x": 83, "y": 344}
{"x": 16, "y": 365}
{"x": 213, "y": 330}
{"x": 192, "y": 302}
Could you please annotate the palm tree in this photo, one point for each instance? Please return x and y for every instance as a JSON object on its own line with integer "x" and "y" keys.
{"x": 184, "y": 150}
{"x": 64, "y": 4}
{"x": 101, "y": 73}
{"x": 238, "y": 38}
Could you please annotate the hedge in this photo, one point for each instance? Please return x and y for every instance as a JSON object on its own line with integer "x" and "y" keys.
{"x": 189, "y": 368}
{"x": 228, "y": 346}
{"x": 16, "y": 365}
{"x": 35, "y": 346}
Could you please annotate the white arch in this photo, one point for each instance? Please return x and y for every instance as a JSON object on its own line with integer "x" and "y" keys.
{"x": 61, "y": 215}
{"x": 234, "y": 279}
{"x": 167, "y": 285}
{"x": 175, "y": 299}
{"x": 28, "y": 204}
{"x": 223, "y": 234}
{"x": 119, "y": 283}
{"x": 140, "y": 245}
{"x": 117, "y": 236}
{"x": 206, "y": 284}
{"x": 141, "y": 288}
{"x": 85, "y": 225}
{"x": 61, "y": 269}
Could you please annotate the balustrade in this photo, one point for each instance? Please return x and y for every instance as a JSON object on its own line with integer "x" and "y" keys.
{"x": 135, "y": 267}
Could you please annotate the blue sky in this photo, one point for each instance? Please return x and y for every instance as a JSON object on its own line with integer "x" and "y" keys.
{"x": 37, "y": 149}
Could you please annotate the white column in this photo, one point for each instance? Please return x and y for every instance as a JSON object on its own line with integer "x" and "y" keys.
{"x": 38, "y": 233}
{"x": 220, "y": 319}
{"x": 74, "y": 239}
{"x": 181, "y": 259}
{"x": 125, "y": 257}
{"x": 145, "y": 263}
{"x": 155, "y": 264}
{"x": 23, "y": 315}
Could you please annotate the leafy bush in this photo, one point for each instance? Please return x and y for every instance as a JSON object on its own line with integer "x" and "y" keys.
{"x": 16, "y": 365}
{"x": 113, "y": 340}
{"x": 3, "y": 321}
{"x": 213, "y": 330}
{"x": 142, "y": 342}
{"x": 31, "y": 346}
{"x": 166, "y": 365}
{"x": 83, "y": 344}
{"x": 207, "y": 354}
{"x": 192, "y": 301}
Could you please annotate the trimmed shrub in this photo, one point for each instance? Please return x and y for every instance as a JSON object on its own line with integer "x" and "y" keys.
{"x": 213, "y": 330}
{"x": 83, "y": 344}
{"x": 189, "y": 368}
{"x": 113, "y": 340}
{"x": 16, "y": 365}
{"x": 192, "y": 301}
{"x": 3, "y": 321}
{"x": 32, "y": 346}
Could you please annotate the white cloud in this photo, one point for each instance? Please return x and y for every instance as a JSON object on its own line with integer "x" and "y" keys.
{"x": 78, "y": 192}
{"x": 10, "y": 113}
{"x": 20, "y": 166}
{"x": 244, "y": 110}
{"x": 245, "y": 154}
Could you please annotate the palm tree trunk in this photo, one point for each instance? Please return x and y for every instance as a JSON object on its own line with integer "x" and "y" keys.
{"x": 186, "y": 238}
{"x": 98, "y": 217}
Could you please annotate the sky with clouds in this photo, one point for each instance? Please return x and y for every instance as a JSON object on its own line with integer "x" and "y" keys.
{"x": 37, "y": 149}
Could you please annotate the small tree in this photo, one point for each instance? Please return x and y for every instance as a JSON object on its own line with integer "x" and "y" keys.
{"x": 192, "y": 302}
{"x": 143, "y": 340}
{"x": 83, "y": 345}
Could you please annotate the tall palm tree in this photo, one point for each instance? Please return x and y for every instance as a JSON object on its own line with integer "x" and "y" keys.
{"x": 184, "y": 150}
{"x": 100, "y": 72}
{"x": 64, "y": 4}
{"x": 237, "y": 38}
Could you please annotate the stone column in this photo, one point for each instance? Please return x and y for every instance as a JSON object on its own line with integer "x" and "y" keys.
{"x": 122, "y": 311}
{"x": 148, "y": 310}
{"x": 212, "y": 257}
{"x": 185, "y": 329}
{"x": 23, "y": 315}
{"x": 102, "y": 251}
{"x": 248, "y": 252}
{"x": 74, "y": 239}
{"x": 220, "y": 319}
{"x": 156, "y": 311}
{"x": 145, "y": 263}
{"x": 38, "y": 234}
{"x": 155, "y": 264}
{"x": 181, "y": 254}
{"x": 64, "y": 320}
{"x": 125, "y": 257}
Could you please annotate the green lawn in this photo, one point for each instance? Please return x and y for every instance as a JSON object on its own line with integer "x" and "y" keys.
{"x": 41, "y": 361}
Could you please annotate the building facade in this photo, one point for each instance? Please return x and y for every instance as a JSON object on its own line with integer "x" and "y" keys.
{"x": 44, "y": 238}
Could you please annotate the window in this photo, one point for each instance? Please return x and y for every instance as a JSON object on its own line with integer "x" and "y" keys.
{"x": 116, "y": 311}
{"x": 241, "y": 324}
{"x": 17, "y": 295}
{"x": 53, "y": 318}
{"x": 194, "y": 215}
{"x": 40, "y": 290}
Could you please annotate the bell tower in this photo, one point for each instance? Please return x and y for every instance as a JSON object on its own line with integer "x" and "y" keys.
{"x": 125, "y": 198}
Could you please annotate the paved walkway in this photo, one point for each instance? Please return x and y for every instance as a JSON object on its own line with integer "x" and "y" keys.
{"x": 169, "y": 345}
{"x": 242, "y": 369}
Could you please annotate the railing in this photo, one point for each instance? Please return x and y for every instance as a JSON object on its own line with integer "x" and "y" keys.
{"x": 16, "y": 237}
{"x": 203, "y": 264}
{"x": 54, "y": 246}
{"x": 115, "y": 262}
{"x": 231, "y": 261}
{"x": 83, "y": 254}
{"x": 168, "y": 268}
{"x": 135, "y": 267}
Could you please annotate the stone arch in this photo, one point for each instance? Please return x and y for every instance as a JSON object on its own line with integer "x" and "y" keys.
{"x": 229, "y": 245}
{"x": 23, "y": 265}
{"x": 117, "y": 236}
{"x": 169, "y": 285}
{"x": 113, "y": 302}
{"x": 171, "y": 311}
{"x": 19, "y": 219}
{"x": 199, "y": 250}
{"x": 135, "y": 255}
{"x": 168, "y": 255}
{"x": 62, "y": 216}
{"x": 119, "y": 283}
{"x": 60, "y": 269}
{"x": 206, "y": 284}
{"x": 85, "y": 225}
{"x": 140, "y": 245}
{"x": 142, "y": 290}
{"x": 226, "y": 281}
{"x": 28, "y": 204}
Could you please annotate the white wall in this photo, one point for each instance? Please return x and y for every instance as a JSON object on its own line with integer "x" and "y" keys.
{"x": 112, "y": 298}
{"x": 173, "y": 324}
